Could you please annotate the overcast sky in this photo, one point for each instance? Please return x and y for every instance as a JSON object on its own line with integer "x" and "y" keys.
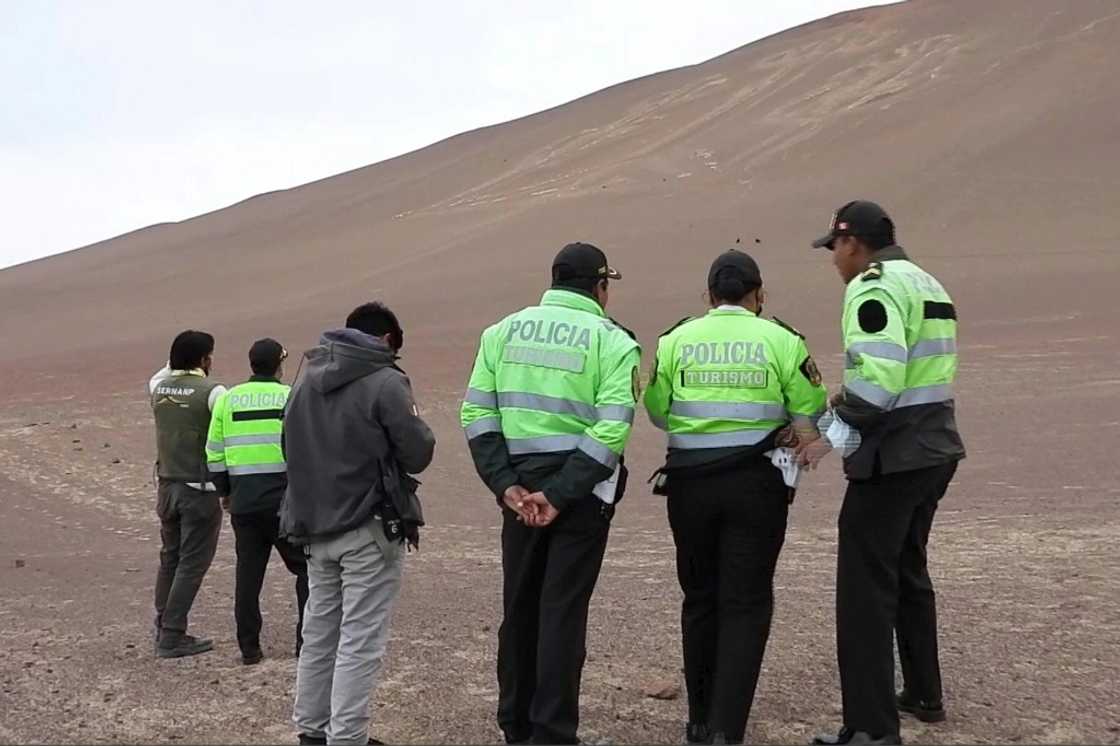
{"x": 122, "y": 113}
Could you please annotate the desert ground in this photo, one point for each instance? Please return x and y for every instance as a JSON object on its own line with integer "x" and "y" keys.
{"x": 987, "y": 129}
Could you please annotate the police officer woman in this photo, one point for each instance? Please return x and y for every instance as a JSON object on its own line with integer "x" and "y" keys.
{"x": 724, "y": 386}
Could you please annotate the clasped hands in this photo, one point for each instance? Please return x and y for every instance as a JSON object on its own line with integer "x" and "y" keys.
{"x": 532, "y": 508}
{"x": 808, "y": 445}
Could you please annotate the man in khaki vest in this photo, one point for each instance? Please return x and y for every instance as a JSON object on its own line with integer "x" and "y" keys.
{"x": 188, "y": 506}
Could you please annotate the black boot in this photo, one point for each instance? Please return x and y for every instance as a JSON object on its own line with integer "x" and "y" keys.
{"x": 697, "y": 733}
{"x": 855, "y": 738}
{"x": 927, "y": 712}
{"x": 179, "y": 645}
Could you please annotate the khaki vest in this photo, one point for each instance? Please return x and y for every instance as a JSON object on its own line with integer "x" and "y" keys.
{"x": 182, "y": 412}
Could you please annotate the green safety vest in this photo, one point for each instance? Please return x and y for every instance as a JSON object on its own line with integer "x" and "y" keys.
{"x": 557, "y": 377}
{"x": 245, "y": 428}
{"x": 729, "y": 379}
{"x": 900, "y": 336}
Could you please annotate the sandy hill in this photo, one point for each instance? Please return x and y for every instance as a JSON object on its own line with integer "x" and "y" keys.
{"x": 990, "y": 129}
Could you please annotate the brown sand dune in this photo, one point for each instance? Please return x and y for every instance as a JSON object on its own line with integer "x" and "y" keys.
{"x": 989, "y": 128}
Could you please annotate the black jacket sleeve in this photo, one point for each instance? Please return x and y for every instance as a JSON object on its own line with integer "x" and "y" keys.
{"x": 860, "y": 414}
{"x": 491, "y": 461}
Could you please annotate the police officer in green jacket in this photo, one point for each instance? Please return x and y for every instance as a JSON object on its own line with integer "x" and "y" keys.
{"x": 900, "y": 341}
{"x": 547, "y": 415}
{"x": 244, "y": 454}
{"x": 725, "y": 386}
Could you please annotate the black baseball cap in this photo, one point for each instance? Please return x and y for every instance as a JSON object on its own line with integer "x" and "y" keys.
{"x": 582, "y": 261}
{"x": 266, "y": 354}
{"x": 858, "y": 218}
{"x": 736, "y": 261}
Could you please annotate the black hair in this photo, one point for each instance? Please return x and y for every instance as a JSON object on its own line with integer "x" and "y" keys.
{"x": 189, "y": 349}
{"x": 377, "y": 320}
{"x": 881, "y": 236}
{"x": 265, "y": 368}
{"x": 730, "y": 286}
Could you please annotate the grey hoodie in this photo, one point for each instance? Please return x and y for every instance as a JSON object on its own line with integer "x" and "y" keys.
{"x": 350, "y": 408}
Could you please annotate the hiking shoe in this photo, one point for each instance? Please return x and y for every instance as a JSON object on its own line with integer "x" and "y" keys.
{"x": 927, "y": 712}
{"x": 252, "y": 658}
{"x": 306, "y": 740}
{"x": 855, "y": 738}
{"x": 181, "y": 646}
{"x": 697, "y": 733}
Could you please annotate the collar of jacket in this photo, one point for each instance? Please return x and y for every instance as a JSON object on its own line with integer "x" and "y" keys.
{"x": 887, "y": 253}
{"x": 572, "y": 299}
{"x": 726, "y": 310}
{"x": 192, "y": 372}
{"x": 264, "y": 379}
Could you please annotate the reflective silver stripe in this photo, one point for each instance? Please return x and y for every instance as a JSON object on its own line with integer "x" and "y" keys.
{"x": 928, "y": 347}
{"x": 805, "y": 420}
{"x": 544, "y": 444}
{"x": 483, "y": 426}
{"x": 560, "y": 359}
{"x": 215, "y": 447}
{"x": 871, "y": 393}
{"x": 268, "y": 439}
{"x": 598, "y": 451}
{"x": 885, "y": 350}
{"x": 552, "y": 404}
{"x": 616, "y": 413}
{"x": 557, "y": 405}
{"x": 659, "y": 422}
{"x": 488, "y": 399}
{"x": 925, "y": 395}
{"x": 713, "y": 410}
{"x": 692, "y": 441}
{"x": 216, "y": 467}
{"x": 240, "y": 471}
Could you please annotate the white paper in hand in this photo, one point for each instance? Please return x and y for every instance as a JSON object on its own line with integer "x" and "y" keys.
{"x": 786, "y": 462}
{"x": 608, "y": 488}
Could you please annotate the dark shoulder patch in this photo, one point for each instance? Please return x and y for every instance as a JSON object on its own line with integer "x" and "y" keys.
{"x": 673, "y": 328}
{"x": 787, "y": 327}
{"x": 874, "y": 271}
{"x": 872, "y": 316}
{"x": 631, "y": 334}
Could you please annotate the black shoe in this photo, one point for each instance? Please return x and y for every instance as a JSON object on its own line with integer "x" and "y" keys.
{"x": 697, "y": 733}
{"x": 927, "y": 712}
{"x": 855, "y": 738}
{"x": 173, "y": 645}
{"x": 306, "y": 740}
{"x": 252, "y": 658}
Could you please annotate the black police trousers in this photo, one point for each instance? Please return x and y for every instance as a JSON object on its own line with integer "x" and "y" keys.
{"x": 549, "y": 575}
{"x": 256, "y": 534}
{"x": 883, "y": 587}
{"x": 190, "y": 522}
{"x": 729, "y": 528}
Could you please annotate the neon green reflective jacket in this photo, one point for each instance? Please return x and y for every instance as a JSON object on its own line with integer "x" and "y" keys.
{"x": 552, "y": 393}
{"x": 728, "y": 381}
{"x": 900, "y": 343}
{"x": 243, "y": 447}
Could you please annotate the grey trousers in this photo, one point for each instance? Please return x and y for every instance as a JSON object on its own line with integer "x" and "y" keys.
{"x": 354, "y": 580}
{"x": 190, "y": 523}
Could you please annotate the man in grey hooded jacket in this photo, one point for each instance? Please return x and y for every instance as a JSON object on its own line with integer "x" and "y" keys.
{"x": 349, "y": 415}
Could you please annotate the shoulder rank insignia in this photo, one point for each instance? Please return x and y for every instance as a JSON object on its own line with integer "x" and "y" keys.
{"x": 786, "y": 326}
{"x": 631, "y": 334}
{"x": 874, "y": 271}
{"x": 672, "y": 328}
